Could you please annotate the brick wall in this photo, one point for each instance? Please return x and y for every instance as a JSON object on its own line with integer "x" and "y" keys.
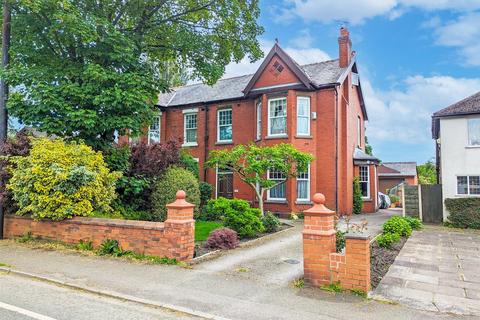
{"x": 322, "y": 265}
{"x": 175, "y": 238}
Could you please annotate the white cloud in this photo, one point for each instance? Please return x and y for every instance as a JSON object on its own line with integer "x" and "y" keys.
{"x": 357, "y": 11}
{"x": 404, "y": 116}
{"x": 300, "y": 55}
{"x": 303, "y": 40}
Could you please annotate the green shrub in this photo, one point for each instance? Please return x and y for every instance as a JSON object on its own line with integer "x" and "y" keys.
{"x": 85, "y": 245}
{"x": 111, "y": 247}
{"x": 357, "y": 196}
{"x": 206, "y": 190}
{"x": 387, "y": 239}
{"x": 397, "y": 225}
{"x": 118, "y": 158}
{"x": 166, "y": 187}
{"x": 236, "y": 214}
{"x": 59, "y": 180}
{"x": 464, "y": 212}
{"x": 415, "y": 223}
{"x": 188, "y": 162}
{"x": 340, "y": 240}
{"x": 270, "y": 222}
{"x": 393, "y": 198}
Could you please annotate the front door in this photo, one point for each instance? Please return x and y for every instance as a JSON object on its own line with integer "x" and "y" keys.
{"x": 225, "y": 184}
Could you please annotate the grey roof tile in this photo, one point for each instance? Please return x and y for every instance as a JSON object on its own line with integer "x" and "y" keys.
{"x": 320, "y": 73}
{"x": 359, "y": 154}
{"x": 402, "y": 168}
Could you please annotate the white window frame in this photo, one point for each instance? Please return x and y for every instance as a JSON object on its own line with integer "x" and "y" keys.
{"x": 268, "y": 191}
{"x": 218, "y": 124}
{"x": 468, "y": 132}
{"x": 269, "y": 118}
{"x": 187, "y": 113}
{"x": 259, "y": 119}
{"x": 159, "y": 117}
{"x": 368, "y": 180}
{"x": 359, "y": 131}
{"x": 307, "y": 116}
{"x": 308, "y": 186}
{"x": 468, "y": 194}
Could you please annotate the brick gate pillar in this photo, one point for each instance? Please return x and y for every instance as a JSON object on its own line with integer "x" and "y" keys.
{"x": 318, "y": 242}
{"x": 180, "y": 228}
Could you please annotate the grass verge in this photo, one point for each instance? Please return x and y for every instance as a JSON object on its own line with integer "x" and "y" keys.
{"x": 203, "y": 229}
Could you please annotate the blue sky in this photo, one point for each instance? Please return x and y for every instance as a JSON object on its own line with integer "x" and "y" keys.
{"x": 415, "y": 57}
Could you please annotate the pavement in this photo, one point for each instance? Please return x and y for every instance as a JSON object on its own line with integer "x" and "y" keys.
{"x": 245, "y": 283}
{"x": 437, "y": 270}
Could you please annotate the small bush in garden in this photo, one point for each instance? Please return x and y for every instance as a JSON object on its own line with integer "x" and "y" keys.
{"x": 111, "y": 247}
{"x": 415, "y": 223}
{"x": 151, "y": 160}
{"x": 270, "y": 222}
{"x": 206, "y": 190}
{"x": 117, "y": 158}
{"x": 340, "y": 240}
{"x": 85, "y": 245}
{"x": 215, "y": 209}
{"x": 386, "y": 240}
{"x": 223, "y": 238}
{"x": 188, "y": 162}
{"x": 397, "y": 225}
{"x": 59, "y": 180}
{"x": 357, "y": 196}
{"x": 464, "y": 212}
{"x": 166, "y": 187}
{"x": 393, "y": 198}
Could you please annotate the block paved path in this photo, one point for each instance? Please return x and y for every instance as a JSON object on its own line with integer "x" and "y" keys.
{"x": 438, "y": 269}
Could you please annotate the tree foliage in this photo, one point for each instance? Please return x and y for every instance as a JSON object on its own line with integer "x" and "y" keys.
{"x": 368, "y": 147}
{"x": 427, "y": 173}
{"x": 252, "y": 163}
{"x": 85, "y": 68}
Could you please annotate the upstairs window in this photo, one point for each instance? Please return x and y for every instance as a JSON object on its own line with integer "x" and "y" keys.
{"x": 468, "y": 185}
{"x": 190, "y": 128}
{"x": 359, "y": 132}
{"x": 474, "y": 132}
{"x": 154, "y": 131}
{"x": 259, "y": 120}
{"x": 277, "y": 117}
{"x": 279, "y": 192}
{"x": 303, "y": 116}
{"x": 224, "y": 125}
{"x": 365, "y": 181}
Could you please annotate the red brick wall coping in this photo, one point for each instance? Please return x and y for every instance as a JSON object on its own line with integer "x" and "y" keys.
{"x": 175, "y": 238}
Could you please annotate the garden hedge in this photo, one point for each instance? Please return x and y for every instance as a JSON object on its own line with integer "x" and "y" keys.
{"x": 464, "y": 212}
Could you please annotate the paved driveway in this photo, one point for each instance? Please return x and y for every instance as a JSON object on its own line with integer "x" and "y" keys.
{"x": 438, "y": 269}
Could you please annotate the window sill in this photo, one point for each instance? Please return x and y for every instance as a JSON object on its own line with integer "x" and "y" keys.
{"x": 219, "y": 143}
{"x": 277, "y": 201}
{"x": 281, "y": 136}
{"x": 472, "y": 147}
{"x": 367, "y": 199}
{"x": 303, "y": 137}
{"x": 304, "y": 202}
{"x": 190, "y": 144}
{"x": 467, "y": 195}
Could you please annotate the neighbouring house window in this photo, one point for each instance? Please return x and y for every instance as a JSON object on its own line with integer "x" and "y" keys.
{"x": 224, "y": 125}
{"x": 277, "y": 117}
{"x": 303, "y": 185}
{"x": 279, "y": 191}
{"x": 154, "y": 130}
{"x": 359, "y": 132}
{"x": 468, "y": 185}
{"x": 259, "y": 120}
{"x": 365, "y": 181}
{"x": 190, "y": 124}
{"x": 474, "y": 132}
{"x": 303, "y": 116}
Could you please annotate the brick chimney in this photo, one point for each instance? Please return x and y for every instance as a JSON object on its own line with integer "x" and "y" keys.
{"x": 344, "y": 48}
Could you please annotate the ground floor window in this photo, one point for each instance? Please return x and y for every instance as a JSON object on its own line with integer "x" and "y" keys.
{"x": 468, "y": 185}
{"x": 154, "y": 130}
{"x": 303, "y": 185}
{"x": 279, "y": 192}
{"x": 365, "y": 181}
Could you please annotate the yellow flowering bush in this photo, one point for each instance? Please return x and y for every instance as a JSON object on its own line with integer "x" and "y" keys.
{"x": 59, "y": 180}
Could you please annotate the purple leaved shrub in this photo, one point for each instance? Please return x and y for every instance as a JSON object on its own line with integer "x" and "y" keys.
{"x": 223, "y": 238}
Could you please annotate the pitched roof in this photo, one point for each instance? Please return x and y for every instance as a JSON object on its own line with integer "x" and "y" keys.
{"x": 319, "y": 74}
{"x": 360, "y": 155}
{"x": 469, "y": 105}
{"x": 397, "y": 169}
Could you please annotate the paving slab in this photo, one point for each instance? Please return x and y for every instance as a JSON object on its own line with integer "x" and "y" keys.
{"x": 437, "y": 269}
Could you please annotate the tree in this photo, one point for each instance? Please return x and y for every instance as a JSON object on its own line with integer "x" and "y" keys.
{"x": 252, "y": 163}
{"x": 368, "y": 147}
{"x": 85, "y": 68}
{"x": 427, "y": 173}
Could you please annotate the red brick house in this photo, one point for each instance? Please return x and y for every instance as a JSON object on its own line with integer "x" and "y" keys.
{"x": 318, "y": 108}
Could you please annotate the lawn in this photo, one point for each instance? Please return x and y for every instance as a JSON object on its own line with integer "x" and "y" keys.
{"x": 203, "y": 229}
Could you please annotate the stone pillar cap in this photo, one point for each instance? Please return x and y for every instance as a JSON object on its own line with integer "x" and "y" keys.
{"x": 319, "y": 205}
{"x": 180, "y": 202}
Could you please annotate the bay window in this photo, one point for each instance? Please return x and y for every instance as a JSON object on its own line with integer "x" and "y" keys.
{"x": 365, "y": 181}
{"x": 279, "y": 192}
{"x": 277, "y": 117}
{"x": 303, "y": 116}
{"x": 303, "y": 185}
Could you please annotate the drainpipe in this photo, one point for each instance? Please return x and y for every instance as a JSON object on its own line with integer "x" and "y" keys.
{"x": 336, "y": 149}
{"x": 205, "y": 145}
